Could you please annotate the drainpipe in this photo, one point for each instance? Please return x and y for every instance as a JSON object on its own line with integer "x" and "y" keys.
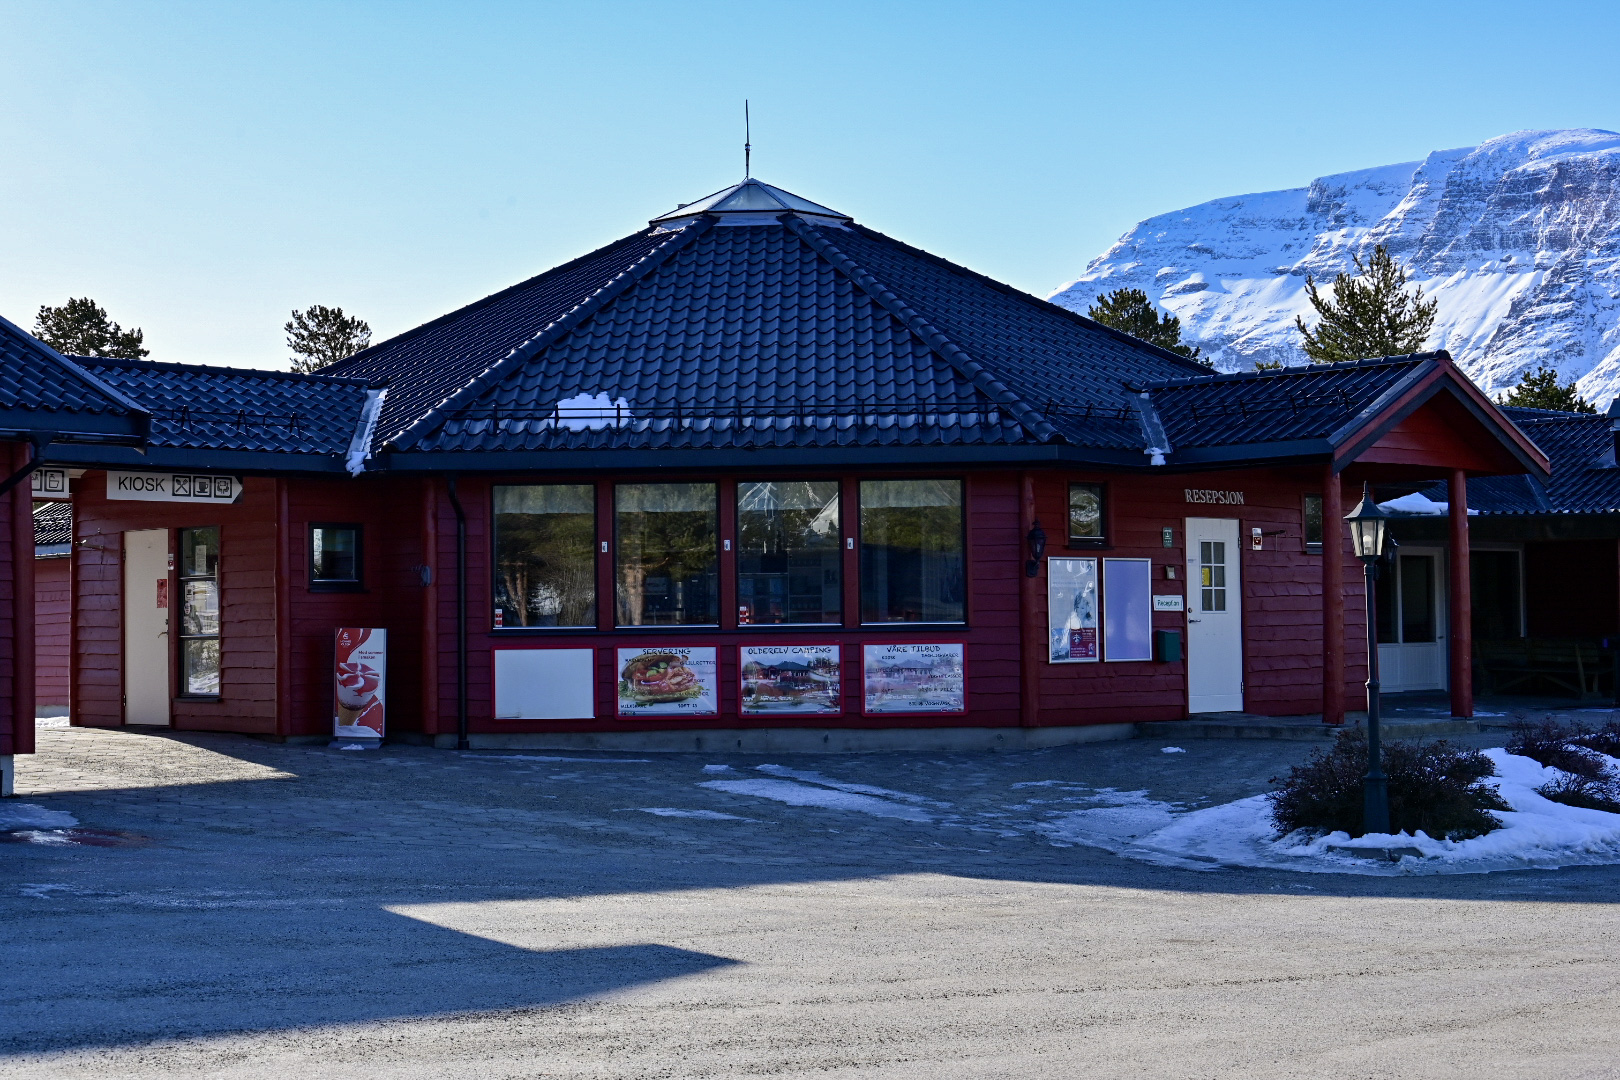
{"x": 461, "y": 615}
{"x": 36, "y": 458}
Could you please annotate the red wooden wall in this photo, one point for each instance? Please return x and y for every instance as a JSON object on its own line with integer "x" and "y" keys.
{"x": 53, "y": 629}
{"x": 16, "y": 600}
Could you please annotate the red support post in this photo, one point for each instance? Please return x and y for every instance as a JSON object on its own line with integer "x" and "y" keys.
{"x": 1332, "y": 599}
{"x": 1461, "y": 622}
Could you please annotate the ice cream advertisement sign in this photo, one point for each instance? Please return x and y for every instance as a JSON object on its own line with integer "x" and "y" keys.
{"x": 360, "y": 678}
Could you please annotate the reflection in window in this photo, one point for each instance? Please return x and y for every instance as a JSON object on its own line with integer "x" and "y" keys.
{"x": 334, "y": 555}
{"x": 911, "y": 551}
{"x": 1086, "y": 515}
{"x": 1313, "y": 523}
{"x": 199, "y": 611}
{"x": 667, "y": 567}
{"x": 788, "y": 560}
{"x": 545, "y": 555}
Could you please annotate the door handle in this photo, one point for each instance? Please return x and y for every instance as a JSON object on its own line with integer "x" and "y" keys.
{"x": 1195, "y": 620}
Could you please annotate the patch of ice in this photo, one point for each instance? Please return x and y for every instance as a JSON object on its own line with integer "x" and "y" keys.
{"x": 29, "y": 816}
{"x": 42, "y": 890}
{"x": 786, "y": 791}
{"x": 675, "y": 811}
{"x": 855, "y": 789}
{"x": 51, "y": 721}
{"x": 716, "y": 768}
{"x": 1171, "y": 750}
{"x": 542, "y": 757}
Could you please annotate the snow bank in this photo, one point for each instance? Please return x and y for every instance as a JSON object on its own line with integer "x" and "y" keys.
{"x": 29, "y": 816}
{"x": 1536, "y": 834}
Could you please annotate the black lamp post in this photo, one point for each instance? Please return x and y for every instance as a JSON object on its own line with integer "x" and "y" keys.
{"x": 1368, "y": 528}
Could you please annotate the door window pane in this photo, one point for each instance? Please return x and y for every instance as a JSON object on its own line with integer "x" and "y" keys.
{"x": 912, "y": 567}
{"x": 1417, "y": 598}
{"x": 668, "y": 568}
{"x": 545, "y": 555}
{"x": 334, "y": 554}
{"x": 1313, "y": 523}
{"x": 1212, "y": 575}
{"x": 199, "y": 611}
{"x": 789, "y": 558}
{"x": 1086, "y": 515}
{"x": 1388, "y": 613}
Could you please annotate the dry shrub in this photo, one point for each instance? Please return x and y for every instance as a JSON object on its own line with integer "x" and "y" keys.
{"x": 1581, "y": 754}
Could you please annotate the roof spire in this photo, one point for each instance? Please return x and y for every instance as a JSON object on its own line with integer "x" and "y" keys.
{"x": 748, "y": 146}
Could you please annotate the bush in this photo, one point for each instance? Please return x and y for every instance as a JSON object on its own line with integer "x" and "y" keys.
{"x": 1435, "y": 787}
{"x": 1581, "y": 754}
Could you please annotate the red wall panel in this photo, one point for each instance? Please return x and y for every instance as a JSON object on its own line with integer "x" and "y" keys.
{"x": 53, "y": 629}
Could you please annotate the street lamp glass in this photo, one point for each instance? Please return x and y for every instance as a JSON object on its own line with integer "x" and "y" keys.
{"x": 1368, "y": 524}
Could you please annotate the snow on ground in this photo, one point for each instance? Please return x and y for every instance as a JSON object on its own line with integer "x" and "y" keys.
{"x": 545, "y": 757}
{"x": 706, "y": 815}
{"x": 28, "y": 816}
{"x": 1536, "y": 833}
{"x": 855, "y": 789}
{"x": 51, "y": 721}
{"x": 1171, "y": 750}
{"x": 796, "y": 794}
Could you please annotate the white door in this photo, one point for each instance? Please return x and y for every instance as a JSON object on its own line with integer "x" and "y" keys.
{"x": 1412, "y": 623}
{"x": 146, "y": 627}
{"x": 1214, "y": 616}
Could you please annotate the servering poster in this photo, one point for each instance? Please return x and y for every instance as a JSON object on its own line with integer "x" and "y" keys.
{"x": 1071, "y": 610}
{"x": 915, "y": 678}
{"x": 789, "y": 680}
{"x": 361, "y": 677}
{"x": 669, "y": 681}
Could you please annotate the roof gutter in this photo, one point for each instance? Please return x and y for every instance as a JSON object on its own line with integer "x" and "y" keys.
{"x": 36, "y": 458}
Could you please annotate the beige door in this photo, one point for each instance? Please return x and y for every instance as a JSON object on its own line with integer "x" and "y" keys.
{"x": 1214, "y": 616}
{"x": 147, "y": 604}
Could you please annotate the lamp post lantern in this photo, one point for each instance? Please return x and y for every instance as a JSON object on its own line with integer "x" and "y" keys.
{"x": 1369, "y": 527}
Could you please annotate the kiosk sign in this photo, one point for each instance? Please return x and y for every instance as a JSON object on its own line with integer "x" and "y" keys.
{"x": 173, "y": 487}
{"x": 360, "y": 675}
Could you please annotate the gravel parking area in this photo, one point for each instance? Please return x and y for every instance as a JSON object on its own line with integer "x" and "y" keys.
{"x": 245, "y": 909}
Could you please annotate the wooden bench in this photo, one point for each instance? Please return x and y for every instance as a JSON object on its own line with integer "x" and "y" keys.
{"x": 1525, "y": 665}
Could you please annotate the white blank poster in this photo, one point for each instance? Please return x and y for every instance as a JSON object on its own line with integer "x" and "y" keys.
{"x": 545, "y": 684}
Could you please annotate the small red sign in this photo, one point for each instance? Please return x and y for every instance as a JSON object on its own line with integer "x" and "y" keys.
{"x": 163, "y": 593}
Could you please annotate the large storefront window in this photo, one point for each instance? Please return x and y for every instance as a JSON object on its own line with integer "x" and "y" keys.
{"x": 199, "y": 611}
{"x": 788, "y": 560}
{"x": 545, "y": 555}
{"x": 912, "y": 552}
{"x": 667, "y": 564}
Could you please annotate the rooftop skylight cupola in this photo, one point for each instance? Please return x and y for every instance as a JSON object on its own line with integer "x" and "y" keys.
{"x": 749, "y": 203}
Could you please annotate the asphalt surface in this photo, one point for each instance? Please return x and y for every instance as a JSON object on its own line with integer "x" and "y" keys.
{"x": 232, "y": 908}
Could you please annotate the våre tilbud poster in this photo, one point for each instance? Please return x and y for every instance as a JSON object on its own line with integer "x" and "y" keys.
{"x": 915, "y": 679}
{"x": 361, "y": 674}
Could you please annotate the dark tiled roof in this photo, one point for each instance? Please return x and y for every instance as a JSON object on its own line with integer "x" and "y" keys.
{"x": 1584, "y": 477}
{"x": 53, "y": 523}
{"x": 225, "y": 408}
{"x": 1301, "y": 403}
{"x": 42, "y": 390}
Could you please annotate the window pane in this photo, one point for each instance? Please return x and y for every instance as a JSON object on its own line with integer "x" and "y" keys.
{"x": 1313, "y": 520}
{"x": 1085, "y": 512}
{"x": 912, "y": 551}
{"x": 200, "y": 660}
{"x": 1417, "y": 598}
{"x": 1384, "y": 591}
{"x": 788, "y": 552}
{"x": 668, "y": 569}
{"x": 545, "y": 555}
{"x": 199, "y": 552}
{"x": 199, "y": 607}
{"x": 334, "y": 553}
{"x": 1212, "y": 575}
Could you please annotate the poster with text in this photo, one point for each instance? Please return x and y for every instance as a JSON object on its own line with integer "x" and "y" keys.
{"x": 801, "y": 680}
{"x": 915, "y": 678}
{"x": 361, "y": 678}
{"x": 669, "y": 681}
{"x": 1071, "y": 610}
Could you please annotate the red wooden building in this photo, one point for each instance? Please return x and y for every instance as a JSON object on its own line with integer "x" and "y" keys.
{"x": 755, "y": 476}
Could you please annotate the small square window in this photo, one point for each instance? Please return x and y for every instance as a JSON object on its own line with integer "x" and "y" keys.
{"x": 334, "y": 557}
{"x": 1088, "y": 519}
{"x": 1312, "y": 519}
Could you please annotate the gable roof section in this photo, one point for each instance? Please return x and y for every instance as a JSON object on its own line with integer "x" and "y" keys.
{"x": 43, "y": 391}
{"x": 1584, "y": 480}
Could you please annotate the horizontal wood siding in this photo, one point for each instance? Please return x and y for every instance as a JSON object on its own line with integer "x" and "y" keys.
{"x": 53, "y": 629}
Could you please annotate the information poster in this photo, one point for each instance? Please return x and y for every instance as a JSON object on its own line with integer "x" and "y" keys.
{"x": 915, "y": 679}
{"x": 668, "y": 681}
{"x": 1071, "y": 610}
{"x": 361, "y": 678}
{"x": 1127, "y": 609}
{"x": 800, "y": 680}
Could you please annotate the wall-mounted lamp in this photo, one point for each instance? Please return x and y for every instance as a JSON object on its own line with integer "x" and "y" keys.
{"x": 1037, "y": 548}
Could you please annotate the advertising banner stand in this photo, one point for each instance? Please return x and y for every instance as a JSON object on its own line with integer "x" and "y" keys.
{"x": 360, "y": 682}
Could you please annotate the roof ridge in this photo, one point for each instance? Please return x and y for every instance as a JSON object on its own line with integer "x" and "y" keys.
{"x": 977, "y": 373}
{"x": 404, "y": 335}
{"x": 1029, "y": 298}
{"x": 548, "y": 334}
{"x": 215, "y": 369}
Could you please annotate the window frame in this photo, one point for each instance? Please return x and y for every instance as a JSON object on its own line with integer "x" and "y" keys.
{"x": 600, "y": 552}
{"x": 857, "y": 531}
{"x": 736, "y": 553}
{"x": 1312, "y": 547}
{"x": 178, "y": 619}
{"x": 616, "y": 553}
{"x": 1104, "y": 507}
{"x": 338, "y": 585}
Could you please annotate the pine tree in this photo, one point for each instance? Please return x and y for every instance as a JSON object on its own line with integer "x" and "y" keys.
{"x": 80, "y": 327}
{"x": 321, "y": 336}
{"x": 1130, "y": 310}
{"x": 1369, "y": 315}
{"x": 1540, "y": 389}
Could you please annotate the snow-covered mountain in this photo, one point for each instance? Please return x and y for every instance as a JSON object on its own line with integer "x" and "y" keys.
{"x": 1517, "y": 238}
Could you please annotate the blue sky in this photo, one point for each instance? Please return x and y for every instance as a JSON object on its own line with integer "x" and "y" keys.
{"x": 201, "y": 169}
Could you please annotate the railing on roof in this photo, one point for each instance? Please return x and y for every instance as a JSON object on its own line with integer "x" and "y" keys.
{"x": 241, "y": 419}
{"x": 954, "y": 413}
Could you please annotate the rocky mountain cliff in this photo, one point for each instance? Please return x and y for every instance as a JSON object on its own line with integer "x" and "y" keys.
{"x": 1517, "y": 238}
